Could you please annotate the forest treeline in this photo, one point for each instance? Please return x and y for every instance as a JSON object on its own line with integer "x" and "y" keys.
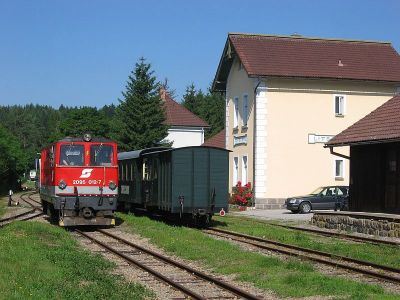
{"x": 24, "y": 130}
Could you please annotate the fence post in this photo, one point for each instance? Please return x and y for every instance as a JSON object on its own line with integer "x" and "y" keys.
{"x": 10, "y": 193}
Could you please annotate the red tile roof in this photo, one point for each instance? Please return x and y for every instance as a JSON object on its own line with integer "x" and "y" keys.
{"x": 296, "y": 56}
{"x": 217, "y": 140}
{"x": 178, "y": 115}
{"x": 381, "y": 125}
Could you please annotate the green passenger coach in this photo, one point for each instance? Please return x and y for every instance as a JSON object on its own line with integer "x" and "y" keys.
{"x": 191, "y": 182}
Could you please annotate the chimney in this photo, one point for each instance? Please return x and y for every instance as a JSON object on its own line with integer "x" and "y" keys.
{"x": 163, "y": 93}
{"x": 340, "y": 64}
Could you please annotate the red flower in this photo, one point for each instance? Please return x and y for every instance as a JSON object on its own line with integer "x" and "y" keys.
{"x": 241, "y": 195}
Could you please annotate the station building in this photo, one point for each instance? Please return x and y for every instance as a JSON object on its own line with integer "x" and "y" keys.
{"x": 286, "y": 96}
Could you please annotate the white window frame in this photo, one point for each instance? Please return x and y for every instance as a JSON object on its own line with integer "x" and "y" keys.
{"x": 245, "y": 109}
{"x": 342, "y": 107}
{"x": 235, "y": 112}
{"x": 245, "y": 170}
{"x": 339, "y": 176}
{"x": 235, "y": 173}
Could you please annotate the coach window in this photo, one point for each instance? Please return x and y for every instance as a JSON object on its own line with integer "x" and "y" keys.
{"x": 101, "y": 155}
{"x": 146, "y": 169}
{"x": 72, "y": 155}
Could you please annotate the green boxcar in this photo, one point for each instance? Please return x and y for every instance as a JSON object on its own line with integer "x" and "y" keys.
{"x": 189, "y": 181}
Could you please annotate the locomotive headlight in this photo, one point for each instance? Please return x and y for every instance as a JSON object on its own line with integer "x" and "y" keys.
{"x": 87, "y": 137}
{"x": 112, "y": 185}
{"x": 62, "y": 185}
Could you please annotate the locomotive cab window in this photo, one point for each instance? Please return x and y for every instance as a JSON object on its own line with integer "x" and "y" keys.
{"x": 72, "y": 155}
{"x": 101, "y": 155}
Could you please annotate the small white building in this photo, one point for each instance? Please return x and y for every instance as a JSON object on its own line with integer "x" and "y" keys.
{"x": 185, "y": 128}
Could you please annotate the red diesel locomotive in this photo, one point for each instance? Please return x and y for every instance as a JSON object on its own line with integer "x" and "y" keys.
{"x": 79, "y": 181}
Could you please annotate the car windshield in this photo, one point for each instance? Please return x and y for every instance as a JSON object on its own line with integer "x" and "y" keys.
{"x": 317, "y": 191}
{"x": 101, "y": 155}
{"x": 72, "y": 155}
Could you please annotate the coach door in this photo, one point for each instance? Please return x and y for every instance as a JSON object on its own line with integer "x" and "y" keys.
{"x": 150, "y": 181}
{"x": 146, "y": 183}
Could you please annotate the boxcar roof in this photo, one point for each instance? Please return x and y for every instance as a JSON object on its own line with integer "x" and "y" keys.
{"x": 148, "y": 151}
{"x": 188, "y": 147}
{"x": 137, "y": 153}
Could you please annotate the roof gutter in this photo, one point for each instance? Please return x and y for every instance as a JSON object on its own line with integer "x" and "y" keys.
{"x": 221, "y": 61}
{"x": 364, "y": 143}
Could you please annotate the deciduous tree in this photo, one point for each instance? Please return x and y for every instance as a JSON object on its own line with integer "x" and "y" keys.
{"x": 84, "y": 120}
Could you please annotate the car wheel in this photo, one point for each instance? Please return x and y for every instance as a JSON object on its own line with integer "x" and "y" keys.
{"x": 305, "y": 207}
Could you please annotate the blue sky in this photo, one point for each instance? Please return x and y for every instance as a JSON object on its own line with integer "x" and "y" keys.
{"x": 81, "y": 52}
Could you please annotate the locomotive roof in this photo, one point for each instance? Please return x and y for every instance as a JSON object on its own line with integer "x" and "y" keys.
{"x": 76, "y": 139}
{"x": 148, "y": 151}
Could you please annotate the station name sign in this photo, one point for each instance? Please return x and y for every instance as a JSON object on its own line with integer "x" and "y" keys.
{"x": 240, "y": 140}
{"x": 319, "y": 139}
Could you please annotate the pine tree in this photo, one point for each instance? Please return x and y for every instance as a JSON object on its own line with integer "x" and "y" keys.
{"x": 139, "y": 118}
{"x": 189, "y": 99}
{"x": 210, "y": 107}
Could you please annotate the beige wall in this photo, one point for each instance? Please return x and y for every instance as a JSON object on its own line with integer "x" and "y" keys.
{"x": 240, "y": 84}
{"x": 295, "y": 108}
{"x": 296, "y": 167}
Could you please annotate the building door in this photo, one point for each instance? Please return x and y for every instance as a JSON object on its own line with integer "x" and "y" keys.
{"x": 392, "y": 182}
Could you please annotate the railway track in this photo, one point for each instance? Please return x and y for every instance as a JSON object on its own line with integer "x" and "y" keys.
{"x": 191, "y": 282}
{"x": 26, "y": 215}
{"x": 337, "y": 235}
{"x": 358, "y": 266}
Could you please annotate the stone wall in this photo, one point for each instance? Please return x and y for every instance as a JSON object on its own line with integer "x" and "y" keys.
{"x": 367, "y": 224}
{"x": 270, "y": 203}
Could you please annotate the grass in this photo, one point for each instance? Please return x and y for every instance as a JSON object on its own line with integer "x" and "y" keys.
{"x": 289, "y": 278}
{"x": 3, "y": 204}
{"x": 29, "y": 184}
{"x": 380, "y": 254}
{"x": 40, "y": 261}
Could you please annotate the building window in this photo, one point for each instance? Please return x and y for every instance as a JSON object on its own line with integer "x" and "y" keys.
{"x": 340, "y": 103}
{"x": 339, "y": 168}
{"x": 236, "y": 112}
{"x": 244, "y": 169}
{"x": 235, "y": 170}
{"x": 245, "y": 109}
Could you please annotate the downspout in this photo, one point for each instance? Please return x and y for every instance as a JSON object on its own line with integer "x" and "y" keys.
{"x": 338, "y": 154}
{"x": 254, "y": 138}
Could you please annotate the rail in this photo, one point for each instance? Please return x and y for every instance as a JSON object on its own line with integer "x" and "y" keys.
{"x": 359, "y": 266}
{"x": 188, "y": 291}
